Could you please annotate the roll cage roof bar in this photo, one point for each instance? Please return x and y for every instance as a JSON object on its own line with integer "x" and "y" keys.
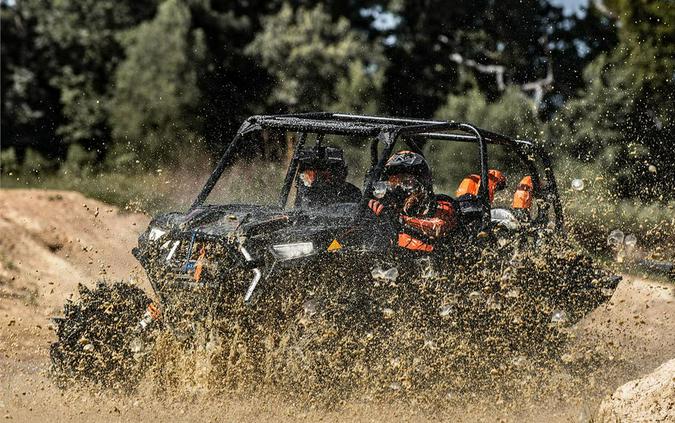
{"x": 386, "y": 131}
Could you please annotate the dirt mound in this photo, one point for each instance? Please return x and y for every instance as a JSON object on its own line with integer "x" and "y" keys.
{"x": 635, "y": 326}
{"x": 648, "y": 399}
{"x": 53, "y": 240}
{"x": 49, "y": 242}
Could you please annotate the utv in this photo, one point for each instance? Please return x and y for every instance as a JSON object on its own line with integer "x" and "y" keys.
{"x": 267, "y": 263}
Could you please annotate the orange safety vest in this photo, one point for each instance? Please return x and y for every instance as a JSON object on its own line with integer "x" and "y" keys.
{"x": 522, "y": 198}
{"x": 471, "y": 183}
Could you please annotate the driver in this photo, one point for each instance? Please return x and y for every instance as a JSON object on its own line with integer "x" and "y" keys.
{"x": 408, "y": 193}
{"x": 322, "y": 178}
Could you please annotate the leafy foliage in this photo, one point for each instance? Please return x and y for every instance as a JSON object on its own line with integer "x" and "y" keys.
{"x": 156, "y": 97}
{"x": 513, "y": 114}
{"x": 310, "y": 55}
{"x": 120, "y": 82}
{"x": 58, "y": 62}
{"x": 523, "y": 36}
{"x": 624, "y": 122}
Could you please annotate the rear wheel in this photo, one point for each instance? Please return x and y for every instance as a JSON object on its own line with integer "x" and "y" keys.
{"x": 98, "y": 337}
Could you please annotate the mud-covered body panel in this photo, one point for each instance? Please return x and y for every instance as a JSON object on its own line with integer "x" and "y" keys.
{"x": 345, "y": 245}
{"x": 259, "y": 228}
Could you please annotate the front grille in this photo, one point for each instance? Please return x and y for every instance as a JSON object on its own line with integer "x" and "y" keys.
{"x": 193, "y": 261}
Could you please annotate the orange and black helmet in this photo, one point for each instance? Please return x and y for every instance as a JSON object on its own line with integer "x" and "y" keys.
{"x": 408, "y": 162}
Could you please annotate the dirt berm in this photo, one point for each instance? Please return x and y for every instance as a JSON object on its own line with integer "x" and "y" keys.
{"x": 52, "y": 240}
{"x": 648, "y": 399}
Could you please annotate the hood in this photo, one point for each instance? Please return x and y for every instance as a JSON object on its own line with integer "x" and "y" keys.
{"x": 219, "y": 220}
{"x": 253, "y": 220}
{"x": 264, "y": 226}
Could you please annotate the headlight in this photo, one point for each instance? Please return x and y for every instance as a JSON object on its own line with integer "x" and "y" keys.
{"x": 155, "y": 234}
{"x": 292, "y": 251}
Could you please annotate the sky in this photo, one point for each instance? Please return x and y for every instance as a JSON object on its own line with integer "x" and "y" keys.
{"x": 570, "y": 6}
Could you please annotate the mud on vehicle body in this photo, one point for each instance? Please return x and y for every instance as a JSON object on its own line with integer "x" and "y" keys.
{"x": 219, "y": 261}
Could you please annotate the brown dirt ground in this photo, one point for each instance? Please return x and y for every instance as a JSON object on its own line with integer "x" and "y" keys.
{"x": 52, "y": 240}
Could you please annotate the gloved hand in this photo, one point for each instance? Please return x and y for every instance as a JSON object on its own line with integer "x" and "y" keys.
{"x": 376, "y": 207}
{"x": 388, "y": 221}
{"x": 416, "y": 203}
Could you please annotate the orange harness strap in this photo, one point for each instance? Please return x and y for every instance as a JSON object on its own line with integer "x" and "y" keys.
{"x": 436, "y": 226}
{"x": 375, "y": 206}
{"x": 443, "y": 221}
{"x": 154, "y": 311}
{"x": 406, "y": 241}
{"x": 469, "y": 185}
{"x": 200, "y": 264}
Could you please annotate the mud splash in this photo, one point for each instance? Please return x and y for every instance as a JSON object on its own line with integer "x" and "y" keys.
{"x": 488, "y": 322}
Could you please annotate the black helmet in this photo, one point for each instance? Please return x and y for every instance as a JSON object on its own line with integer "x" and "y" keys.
{"x": 410, "y": 163}
{"x": 323, "y": 158}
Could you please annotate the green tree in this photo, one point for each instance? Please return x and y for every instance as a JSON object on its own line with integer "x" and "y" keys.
{"x": 57, "y": 65}
{"x": 232, "y": 83}
{"x": 623, "y": 123}
{"x": 514, "y": 114}
{"x": 524, "y": 37}
{"x": 359, "y": 90}
{"x": 154, "y": 111}
{"x": 317, "y": 62}
{"x": 30, "y": 104}
{"x": 85, "y": 37}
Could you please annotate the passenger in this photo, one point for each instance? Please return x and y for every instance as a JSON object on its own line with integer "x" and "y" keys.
{"x": 522, "y": 198}
{"x": 322, "y": 178}
{"x": 424, "y": 218}
{"x": 470, "y": 184}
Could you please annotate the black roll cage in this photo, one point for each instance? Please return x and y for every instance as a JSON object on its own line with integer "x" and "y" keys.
{"x": 386, "y": 131}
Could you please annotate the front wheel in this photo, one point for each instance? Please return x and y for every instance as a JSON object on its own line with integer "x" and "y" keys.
{"x": 98, "y": 337}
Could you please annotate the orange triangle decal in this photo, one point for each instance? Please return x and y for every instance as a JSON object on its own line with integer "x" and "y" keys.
{"x": 334, "y": 246}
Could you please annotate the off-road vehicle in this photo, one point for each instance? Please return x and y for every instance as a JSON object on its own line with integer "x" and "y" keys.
{"x": 217, "y": 262}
